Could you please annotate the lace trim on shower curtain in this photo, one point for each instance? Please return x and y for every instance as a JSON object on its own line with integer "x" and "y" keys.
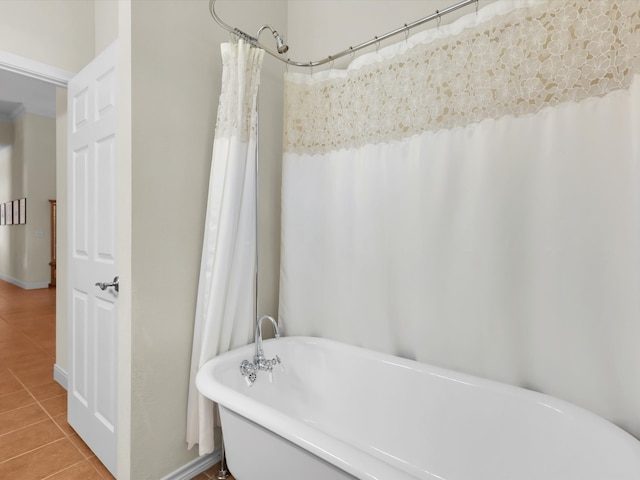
{"x": 237, "y": 110}
{"x": 514, "y": 64}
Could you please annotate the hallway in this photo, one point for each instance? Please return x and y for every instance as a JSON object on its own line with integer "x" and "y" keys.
{"x": 36, "y": 443}
{"x": 35, "y": 440}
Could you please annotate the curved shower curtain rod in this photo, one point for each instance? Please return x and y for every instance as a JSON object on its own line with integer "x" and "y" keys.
{"x": 282, "y": 47}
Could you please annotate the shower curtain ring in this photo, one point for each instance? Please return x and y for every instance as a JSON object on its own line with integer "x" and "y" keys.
{"x": 477, "y": 4}
{"x": 406, "y": 32}
{"x": 377, "y": 44}
{"x": 439, "y": 19}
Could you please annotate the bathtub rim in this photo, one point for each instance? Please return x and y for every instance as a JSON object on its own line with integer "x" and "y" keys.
{"x": 364, "y": 463}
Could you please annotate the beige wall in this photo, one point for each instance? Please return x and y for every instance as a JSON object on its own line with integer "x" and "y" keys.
{"x": 61, "y": 206}
{"x": 27, "y": 168}
{"x": 319, "y": 28}
{"x": 122, "y": 31}
{"x": 6, "y": 193}
{"x": 15, "y": 234}
{"x": 176, "y": 83}
{"x": 39, "y": 186}
{"x": 51, "y": 32}
{"x": 6, "y": 134}
{"x": 106, "y": 22}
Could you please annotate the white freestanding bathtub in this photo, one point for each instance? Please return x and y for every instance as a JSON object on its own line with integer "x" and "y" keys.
{"x": 342, "y": 412}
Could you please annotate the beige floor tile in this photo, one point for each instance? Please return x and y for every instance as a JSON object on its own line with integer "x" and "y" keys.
{"x": 20, "y": 418}
{"x": 28, "y": 438}
{"x": 35, "y": 374}
{"x": 80, "y": 471}
{"x": 101, "y": 468}
{"x": 14, "y": 400}
{"x": 47, "y": 390}
{"x": 41, "y": 462}
{"x": 202, "y": 476}
{"x": 24, "y": 352}
{"x": 81, "y": 446}
{"x": 56, "y": 405}
{"x": 63, "y": 424}
{"x": 10, "y": 337}
{"x": 32, "y": 445}
{"x": 49, "y": 348}
{"x": 31, "y": 365}
{"x": 8, "y": 382}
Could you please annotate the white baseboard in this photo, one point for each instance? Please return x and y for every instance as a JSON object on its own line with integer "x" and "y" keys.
{"x": 195, "y": 467}
{"x": 25, "y": 285}
{"x": 60, "y": 376}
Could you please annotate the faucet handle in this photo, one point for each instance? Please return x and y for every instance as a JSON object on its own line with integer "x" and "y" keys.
{"x": 277, "y": 361}
{"x": 248, "y": 371}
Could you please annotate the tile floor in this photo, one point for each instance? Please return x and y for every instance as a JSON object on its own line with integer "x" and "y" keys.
{"x": 210, "y": 474}
{"x": 36, "y": 442}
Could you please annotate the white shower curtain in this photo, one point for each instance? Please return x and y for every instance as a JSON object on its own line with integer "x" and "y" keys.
{"x": 225, "y": 306}
{"x": 470, "y": 197}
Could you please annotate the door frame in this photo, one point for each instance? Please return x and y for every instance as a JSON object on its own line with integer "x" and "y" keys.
{"x": 34, "y": 69}
{"x": 59, "y": 77}
{"x": 56, "y": 76}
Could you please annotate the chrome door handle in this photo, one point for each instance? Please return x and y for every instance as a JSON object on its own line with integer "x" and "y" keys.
{"x": 115, "y": 284}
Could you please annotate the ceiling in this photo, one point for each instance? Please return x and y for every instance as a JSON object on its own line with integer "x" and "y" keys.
{"x": 21, "y": 93}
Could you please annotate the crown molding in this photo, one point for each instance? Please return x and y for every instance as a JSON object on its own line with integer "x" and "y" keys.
{"x": 21, "y": 110}
{"x": 31, "y": 68}
{"x": 17, "y": 112}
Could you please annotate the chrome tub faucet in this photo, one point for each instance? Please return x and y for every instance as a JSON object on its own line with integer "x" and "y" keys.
{"x": 250, "y": 370}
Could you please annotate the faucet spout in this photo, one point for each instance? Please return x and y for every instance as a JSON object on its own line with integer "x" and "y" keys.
{"x": 250, "y": 370}
{"x": 259, "y": 356}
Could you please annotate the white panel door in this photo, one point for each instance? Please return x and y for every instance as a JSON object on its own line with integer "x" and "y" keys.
{"x": 93, "y": 312}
